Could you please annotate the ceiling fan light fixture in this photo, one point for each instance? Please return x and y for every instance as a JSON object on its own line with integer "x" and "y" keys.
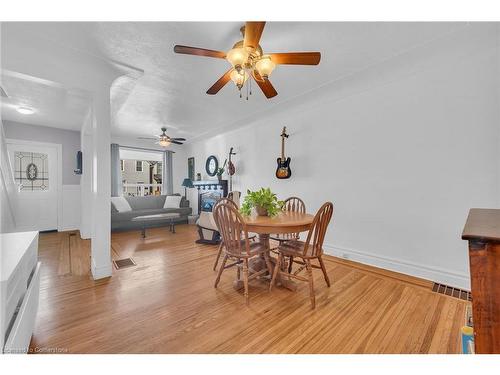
{"x": 239, "y": 78}
{"x": 247, "y": 58}
{"x": 238, "y": 57}
{"x": 265, "y": 66}
{"x": 164, "y": 142}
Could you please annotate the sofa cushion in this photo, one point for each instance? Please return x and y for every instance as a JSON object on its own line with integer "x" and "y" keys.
{"x": 146, "y": 203}
{"x": 152, "y": 202}
{"x": 127, "y": 216}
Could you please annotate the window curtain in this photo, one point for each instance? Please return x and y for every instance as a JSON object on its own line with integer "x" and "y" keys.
{"x": 167, "y": 178}
{"x": 116, "y": 174}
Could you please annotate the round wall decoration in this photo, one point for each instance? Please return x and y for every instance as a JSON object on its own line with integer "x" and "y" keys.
{"x": 211, "y": 165}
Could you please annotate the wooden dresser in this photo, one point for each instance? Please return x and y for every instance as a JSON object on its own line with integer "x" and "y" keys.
{"x": 482, "y": 230}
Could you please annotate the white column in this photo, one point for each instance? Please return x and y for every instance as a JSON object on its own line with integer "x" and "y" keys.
{"x": 86, "y": 178}
{"x": 101, "y": 187}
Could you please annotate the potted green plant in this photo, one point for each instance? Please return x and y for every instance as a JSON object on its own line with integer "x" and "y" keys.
{"x": 264, "y": 201}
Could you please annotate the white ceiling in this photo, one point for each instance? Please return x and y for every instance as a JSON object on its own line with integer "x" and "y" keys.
{"x": 54, "y": 105}
{"x": 172, "y": 90}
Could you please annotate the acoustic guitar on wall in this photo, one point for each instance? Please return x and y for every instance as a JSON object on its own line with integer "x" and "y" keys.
{"x": 283, "y": 171}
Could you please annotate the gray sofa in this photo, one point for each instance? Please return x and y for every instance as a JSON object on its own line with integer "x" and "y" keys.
{"x": 149, "y": 205}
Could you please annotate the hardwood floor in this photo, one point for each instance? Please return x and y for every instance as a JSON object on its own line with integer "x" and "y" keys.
{"x": 167, "y": 304}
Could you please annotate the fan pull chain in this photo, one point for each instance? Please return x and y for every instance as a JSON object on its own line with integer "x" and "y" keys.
{"x": 247, "y": 89}
{"x": 250, "y": 86}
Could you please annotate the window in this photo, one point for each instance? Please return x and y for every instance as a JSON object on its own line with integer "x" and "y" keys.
{"x": 143, "y": 172}
{"x": 31, "y": 171}
{"x": 122, "y": 165}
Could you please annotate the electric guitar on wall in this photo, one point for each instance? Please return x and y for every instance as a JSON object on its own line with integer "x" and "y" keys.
{"x": 283, "y": 171}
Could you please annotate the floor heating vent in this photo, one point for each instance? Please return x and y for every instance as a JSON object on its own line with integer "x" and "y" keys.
{"x": 451, "y": 291}
{"x": 123, "y": 263}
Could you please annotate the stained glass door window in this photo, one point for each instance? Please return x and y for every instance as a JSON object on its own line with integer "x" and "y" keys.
{"x": 31, "y": 171}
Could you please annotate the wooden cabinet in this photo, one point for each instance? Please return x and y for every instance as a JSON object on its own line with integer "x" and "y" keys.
{"x": 19, "y": 289}
{"x": 482, "y": 230}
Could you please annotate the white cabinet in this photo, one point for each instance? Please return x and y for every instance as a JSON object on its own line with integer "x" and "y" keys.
{"x": 20, "y": 287}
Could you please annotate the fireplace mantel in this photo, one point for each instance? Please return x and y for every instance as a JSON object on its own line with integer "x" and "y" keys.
{"x": 211, "y": 185}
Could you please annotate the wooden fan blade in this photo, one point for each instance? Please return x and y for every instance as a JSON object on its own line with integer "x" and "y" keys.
{"x": 154, "y": 139}
{"x": 221, "y": 82}
{"x": 199, "y": 51}
{"x": 296, "y": 58}
{"x": 177, "y": 143}
{"x": 265, "y": 85}
{"x": 178, "y": 139}
{"x": 253, "y": 32}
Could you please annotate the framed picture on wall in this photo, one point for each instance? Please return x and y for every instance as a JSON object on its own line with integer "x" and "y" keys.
{"x": 191, "y": 168}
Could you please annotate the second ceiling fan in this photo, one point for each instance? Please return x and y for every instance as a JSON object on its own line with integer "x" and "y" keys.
{"x": 164, "y": 140}
{"x": 248, "y": 60}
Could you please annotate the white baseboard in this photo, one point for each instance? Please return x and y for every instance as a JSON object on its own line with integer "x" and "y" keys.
{"x": 436, "y": 274}
{"x": 68, "y": 228}
{"x": 85, "y": 235}
{"x": 102, "y": 271}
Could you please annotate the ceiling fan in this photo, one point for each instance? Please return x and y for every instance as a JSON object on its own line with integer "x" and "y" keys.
{"x": 164, "y": 140}
{"x": 248, "y": 60}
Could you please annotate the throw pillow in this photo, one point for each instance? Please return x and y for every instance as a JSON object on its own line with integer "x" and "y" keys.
{"x": 172, "y": 201}
{"x": 121, "y": 204}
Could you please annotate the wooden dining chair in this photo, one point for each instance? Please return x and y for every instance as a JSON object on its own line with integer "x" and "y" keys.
{"x": 237, "y": 244}
{"x": 291, "y": 204}
{"x": 229, "y": 200}
{"x": 308, "y": 250}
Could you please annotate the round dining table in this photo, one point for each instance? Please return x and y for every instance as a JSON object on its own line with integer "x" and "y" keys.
{"x": 282, "y": 223}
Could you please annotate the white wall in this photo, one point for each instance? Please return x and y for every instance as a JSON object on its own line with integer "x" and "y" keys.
{"x": 7, "y": 188}
{"x": 71, "y": 207}
{"x": 403, "y": 150}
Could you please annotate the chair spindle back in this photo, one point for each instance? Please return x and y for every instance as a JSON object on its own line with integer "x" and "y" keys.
{"x": 225, "y": 201}
{"x": 231, "y": 226}
{"x": 314, "y": 243}
{"x": 293, "y": 204}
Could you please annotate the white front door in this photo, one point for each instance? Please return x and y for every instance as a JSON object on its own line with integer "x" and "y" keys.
{"x": 35, "y": 168}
